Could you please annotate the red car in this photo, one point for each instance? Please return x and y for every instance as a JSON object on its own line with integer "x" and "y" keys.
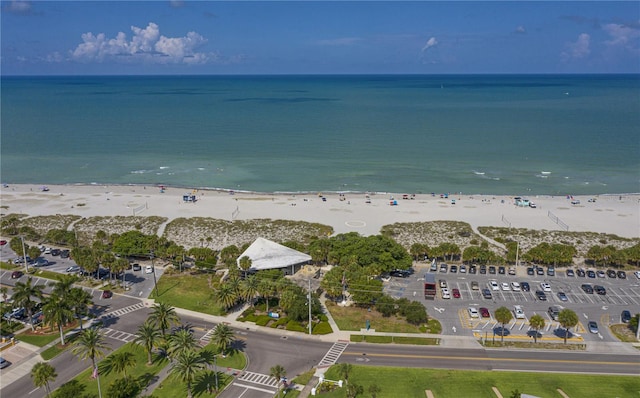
{"x": 107, "y": 294}
{"x": 456, "y": 293}
{"x": 16, "y": 274}
{"x": 484, "y": 312}
{"x": 3, "y": 242}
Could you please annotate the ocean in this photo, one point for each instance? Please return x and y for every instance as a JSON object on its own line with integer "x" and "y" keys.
{"x": 481, "y": 134}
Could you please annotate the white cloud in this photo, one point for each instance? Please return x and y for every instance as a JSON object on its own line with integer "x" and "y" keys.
{"x": 430, "y": 43}
{"x": 621, "y": 35}
{"x": 18, "y": 7}
{"x": 521, "y": 29}
{"x": 578, "y": 49}
{"x": 146, "y": 45}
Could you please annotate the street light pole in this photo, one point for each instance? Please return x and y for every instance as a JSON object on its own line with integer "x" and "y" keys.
{"x": 24, "y": 256}
{"x": 215, "y": 367}
{"x": 309, "y": 306}
{"x": 153, "y": 267}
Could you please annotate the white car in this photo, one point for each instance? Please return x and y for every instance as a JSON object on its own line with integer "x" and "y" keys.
{"x": 463, "y": 269}
{"x": 446, "y": 294}
{"x": 637, "y": 274}
{"x": 518, "y": 311}
{"x": 473, "y": 312}
{"x": 148, "y": 269}
{"x": 545, "y": 287}
{"x": 505, "y": 286}
{"x": 47, "y": 250}
{"x": 515, "y": 286}
{"x": 494, "y": 285}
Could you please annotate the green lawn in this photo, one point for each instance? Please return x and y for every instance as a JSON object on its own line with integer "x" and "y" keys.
{"x": 141, "y": 370}
{"x": 357, "y": 338}
{"x": 354, "y": 318}
{"x": 411, "y": 382}
{"x": 39, "y": 340}
{"x": 191, "y": 292}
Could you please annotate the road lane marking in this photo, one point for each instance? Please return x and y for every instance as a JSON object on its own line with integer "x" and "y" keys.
{"x": 255, "y": 388}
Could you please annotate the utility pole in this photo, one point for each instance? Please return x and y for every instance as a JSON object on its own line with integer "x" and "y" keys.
{"x": 24, "y": 256}
{"x": 309, "y": 306}
{"x": 517, "y": 252}
{"x": 153, "y": 267}
{"x": 215, "y": 364}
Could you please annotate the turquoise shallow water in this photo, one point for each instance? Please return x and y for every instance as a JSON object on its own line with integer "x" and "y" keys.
{"x": 471, "y": 134}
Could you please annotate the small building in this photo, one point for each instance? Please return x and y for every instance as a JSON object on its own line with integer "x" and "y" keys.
{"x": 265, "y": 254}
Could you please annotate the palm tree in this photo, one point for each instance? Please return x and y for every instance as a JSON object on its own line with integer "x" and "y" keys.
{"x": 119, "y": 362}
{"x": 278, "y": 372}
{"x": 23, "y": 294}
{"x": 344, "y": 369}
{"x": 80, "y": 300}
{"x": 245, "y": 264}
{"x": 536, "y": 322}
{"x": 42, "y": 373}
{"x": 249, "y": 288}
{"x": 180, "y": 341}
{"x": 63, "y": 286}
{"x": 90, "y": 344}
{"x": 4, "y": 290}
{"x": 226, "y": 295}
{"x": 57, "y": 312}
{"x": 187, "y": 366}
{"x": 503, "y": 315}
{"x": 568, "y": 319}
{"x": 120, "y": 265}
{"x": 148, "y": 336}
{"x": 222, "y": 337}
{"x": 266, "y": 290}
{"x": 164, "y": 315}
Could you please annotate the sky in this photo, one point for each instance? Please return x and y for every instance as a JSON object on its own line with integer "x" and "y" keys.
{"x": 329, "y": 37}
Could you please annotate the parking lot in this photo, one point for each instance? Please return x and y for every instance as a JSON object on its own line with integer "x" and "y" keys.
{"x": 604, "y": 309}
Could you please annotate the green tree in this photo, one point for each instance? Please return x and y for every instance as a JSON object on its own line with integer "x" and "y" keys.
{"x": 249, "y": 288}
{"x": 515, "y": 394}
{"x": 386, "y": 305}
{"x": 223, "y": 338}
{"x": 42, "y": 373}
{"x": 416, "y": 313}
{"x": 163, "y": 316}
{"x": 353, "y": 390}
{"x": 226, "y": 295}
{"x": 374, "y": 390}
{"x": 229, "y": 254}
{"x": 567, "y": 319}
{"x": 319, "y": 250}
{"x": 57, "y": 312}
{"x": 90, "y": 344}
{"x": 504, "y": 316}
{"x": 4, "y": 291}
{"x": 23, "y": 295}
{"x": 148, "y": 336}
{"x": 344, "y": 370}
{"x": 266, "y": 289}
{"x": 80, "y": 301}
{"x": 536, "y": 322}
{"x": 244, "y": 263}
{"x": 181, "y": 340}
{"x": 186, "y": 367}
{"x": 277, "y": 372}
{"x": 119, "y": 362}
{"x": 332, "y": 282}
{"x": 72, "y": 389}
{"x": 125, "y": 387}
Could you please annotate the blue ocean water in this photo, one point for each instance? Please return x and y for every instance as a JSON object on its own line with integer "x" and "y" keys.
{"x": 487, "y": 134}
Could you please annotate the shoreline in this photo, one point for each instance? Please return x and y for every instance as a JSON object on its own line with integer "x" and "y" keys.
{"x": 365, "y": 213}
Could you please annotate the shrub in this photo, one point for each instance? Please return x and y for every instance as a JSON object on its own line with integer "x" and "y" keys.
{"x": 263, "y": 320}
{"x": 322, "y": 328}
{"x": 281, "y": 321}
{"x": 295, "y": 326}
{"x": 323, "y": 318}
{"x": 416, "y": 313}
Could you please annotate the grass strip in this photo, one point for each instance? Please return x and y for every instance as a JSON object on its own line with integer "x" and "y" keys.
{"x": 189, "y": 291}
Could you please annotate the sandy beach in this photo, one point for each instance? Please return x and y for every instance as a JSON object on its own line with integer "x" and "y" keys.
{"x": 612, "y": 214}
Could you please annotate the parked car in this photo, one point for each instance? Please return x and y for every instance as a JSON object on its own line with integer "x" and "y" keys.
{"x": 107, "y": 294}
{"x": 551, "y": 271}
{"x": 3, "y": 242}
{"x": 540, "y": 271}
{"x": 601, "y": 274}
{"x": 443, "y": 283}
{"x": 20, "y": 260}
{"x": 443, "y": 268}
{"x": 540, "y": 295}
{"x": 397, "y": 273}
{"x": 453, "y": 269}
{"x": 637, "y": 274}
{"x": 531, "y": 271}
{"x": 593, "y": 327}
{"x": 64, "y": 253}
{"x": 505, "y": 286}
{"x": 456, "y": 293}
{"x": 587, "y": 288}
{"x": 55, "y": 252}
{"x": 553, "y": 312}
{"x": 4, "y": 363}
{"x": 136, "y": 267}
{"x": 473, "y": 312}
{"x": 519, "y": 313}
{"x": 494, "y": 285}
{"x": 562, "y": 296}
{"x": 545, "y": 287}
{"x": 581, "y": 273}
{"x": 512, "y": 270}
{"x": 473, "y": 270}
{"x": 622, "y": 275}
{"x": 501, "y": 270}
{"x": 525, "y": 286}
{"x": 570, "y": 272}
{"x": 463, "y": 269}
{"x": 515, "y": 286}
{"x": 475, "y": 285}
{"x": 486, "y": 293}
{"x": 591, "y": 273}
{"x": 433, "y": 268}
{"x": 40, "y": 262}
{"x": 483, "y": 270}
{"x": 611, "y": 273}
{"x": 445, "y": 293}
{"x": 625, "y": 317}
{"x": 600, "y": 290}
{"x": 484, "y": 312}
{"x": 73, "y": 268}
{"x": 492, "y": 270}
{"x": 16, "y": 274}
{"x": 148, "y": 269}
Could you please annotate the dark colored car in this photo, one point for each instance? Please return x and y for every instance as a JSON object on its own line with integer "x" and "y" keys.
{"x": 540, "y": 295}
{"x": 453, "y": 269}
{"x": 581, "y": 272}
{"x": 525, "y": 286}
{"x": 587, "y": 288}
{"x": 16, "y": 274}
{"x": 484, "y": 312}
{"x": 473, "y": 269}
{"x": 500, "y": 331}
{"x": 534, "y": 333}
{"x": 456, "y": 293}
{"x": 55, "y": 252}
{"x": 591, "y": 274}
{"x": 107, "y": 294}
{"x": 531, "y": 271}
{"x": 562, "y": 296}
{"x": 551, "y": 271}
{"x": 600, "y": 289}
{"x": 136, "y": 267}
{"x": 501, "y": 270}
{"x": 625, "y": 317}
{"x": 64, "y": 253}
{"x": 593, "y": 327}
{"x": 3, "y": 242}
{"x": 570, "y": 272}
{"x": 622, "y": 275}
{"x": 483, "y": 269}
{"x": 400, "y": 273}
{"x": 3, "y": 362}
{"x": 486, "y": 293}
{"x": 611, "y": 273}
{"x": 492, "y": 270}
{"x": 540, "y": 271}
